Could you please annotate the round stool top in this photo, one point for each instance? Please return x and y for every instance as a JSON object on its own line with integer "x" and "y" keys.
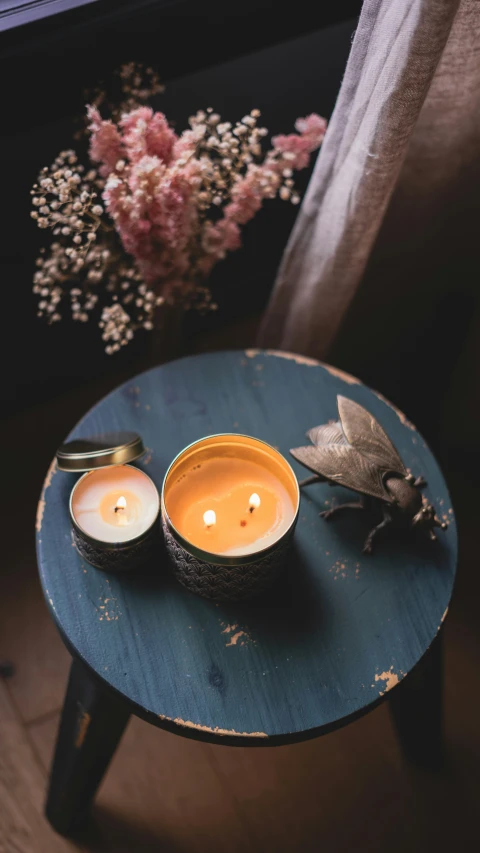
{"x": 337, "y": 631}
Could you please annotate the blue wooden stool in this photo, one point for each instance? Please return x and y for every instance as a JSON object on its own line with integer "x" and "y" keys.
{"x": 327, "y": 644}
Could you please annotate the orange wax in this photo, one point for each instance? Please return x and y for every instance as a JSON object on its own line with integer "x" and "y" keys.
{"x": 225, "y": 484}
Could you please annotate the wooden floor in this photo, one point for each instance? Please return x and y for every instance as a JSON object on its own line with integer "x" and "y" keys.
{"x": 348, "y": 791}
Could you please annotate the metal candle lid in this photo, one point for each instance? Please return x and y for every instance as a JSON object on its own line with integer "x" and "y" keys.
{"x": 99, "y": 451}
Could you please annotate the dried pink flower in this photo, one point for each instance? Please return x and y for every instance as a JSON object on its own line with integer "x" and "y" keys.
{"x": 297, "y": 148}
{"x": 217, "y": 240}
{"x": 153, "y": 216}
{"x": 314, "y": 127}
{"x": 146, "y": 133}
{"x": 176, "y": 203}
{"x": 105, "y": 141}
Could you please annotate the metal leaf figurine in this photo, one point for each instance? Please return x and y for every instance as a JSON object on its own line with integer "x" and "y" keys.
{"x": 356, "y": 452}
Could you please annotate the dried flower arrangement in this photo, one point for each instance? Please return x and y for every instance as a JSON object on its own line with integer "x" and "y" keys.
{"x": 144, "y": 225}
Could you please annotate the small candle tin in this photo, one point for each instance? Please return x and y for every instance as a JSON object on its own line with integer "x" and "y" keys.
{"x": 218, "y": 576}
{"x": 100, "y": 452}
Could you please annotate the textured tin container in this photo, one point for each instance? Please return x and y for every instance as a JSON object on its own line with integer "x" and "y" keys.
{"x": 115, "y": 556}
{"x": 218, "y": 576}
{"x": 105, "y": 451}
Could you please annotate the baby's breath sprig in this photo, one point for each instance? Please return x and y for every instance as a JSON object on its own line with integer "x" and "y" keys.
{"x": 60, "y": 278}
{"x": 133, "y": 306}
{"x": 224, "y": 151}
{"x": 60, "y": 273}
{"x": 65, "y": 199}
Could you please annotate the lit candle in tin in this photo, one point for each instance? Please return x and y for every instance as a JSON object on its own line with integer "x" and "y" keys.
{"x": 114, "y": 504}
{"x": 114, "y": 507}
{"x": 234, "y": 496}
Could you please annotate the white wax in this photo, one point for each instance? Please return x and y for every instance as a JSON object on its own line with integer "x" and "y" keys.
{"x": 96, "y": 496}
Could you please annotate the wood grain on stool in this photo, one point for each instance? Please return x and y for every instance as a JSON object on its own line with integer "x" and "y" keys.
{"x": 338, "y": 631}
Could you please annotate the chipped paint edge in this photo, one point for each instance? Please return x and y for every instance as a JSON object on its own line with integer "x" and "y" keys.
{"x": 442, "y": 620}
{"x": 187, "y": 724}
{"x": 235, "y": 638}
{"x": 290, "y": 356}
{"x": 41, "y": 504}
{"x": 390, "y": 678}
{"x": 341, "y": 374}
{"x": 83, "y": 724}
{"x": 305, "y": 359}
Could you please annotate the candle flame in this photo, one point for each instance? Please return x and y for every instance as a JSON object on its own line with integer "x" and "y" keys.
{"x": 209, "y": 518}
{"x": 254, "y": 502}
{"x": 121, "y": 503}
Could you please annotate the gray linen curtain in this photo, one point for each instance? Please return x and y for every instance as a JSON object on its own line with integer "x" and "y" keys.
{"x": 404, "y": 132}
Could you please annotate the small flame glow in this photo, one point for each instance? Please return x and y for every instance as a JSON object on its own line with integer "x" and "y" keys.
{"x": 121, "y": 503}
{"x": 209, "y": 518}
{"x": 254, "y": 502}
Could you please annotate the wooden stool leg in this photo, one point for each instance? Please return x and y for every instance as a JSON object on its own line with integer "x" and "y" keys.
{"x": 417, "y": 709}
{"x": 91, "y": 726}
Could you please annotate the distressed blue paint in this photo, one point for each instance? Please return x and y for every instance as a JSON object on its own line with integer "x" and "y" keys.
{"x": 310, "y": 651}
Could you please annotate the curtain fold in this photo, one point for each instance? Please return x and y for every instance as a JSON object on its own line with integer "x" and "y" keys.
{"x": 405, "y": 126}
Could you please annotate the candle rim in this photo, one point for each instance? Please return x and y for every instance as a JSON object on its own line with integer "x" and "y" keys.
{"x": 101, "y": 543}
{"x": 212, "y": 556}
